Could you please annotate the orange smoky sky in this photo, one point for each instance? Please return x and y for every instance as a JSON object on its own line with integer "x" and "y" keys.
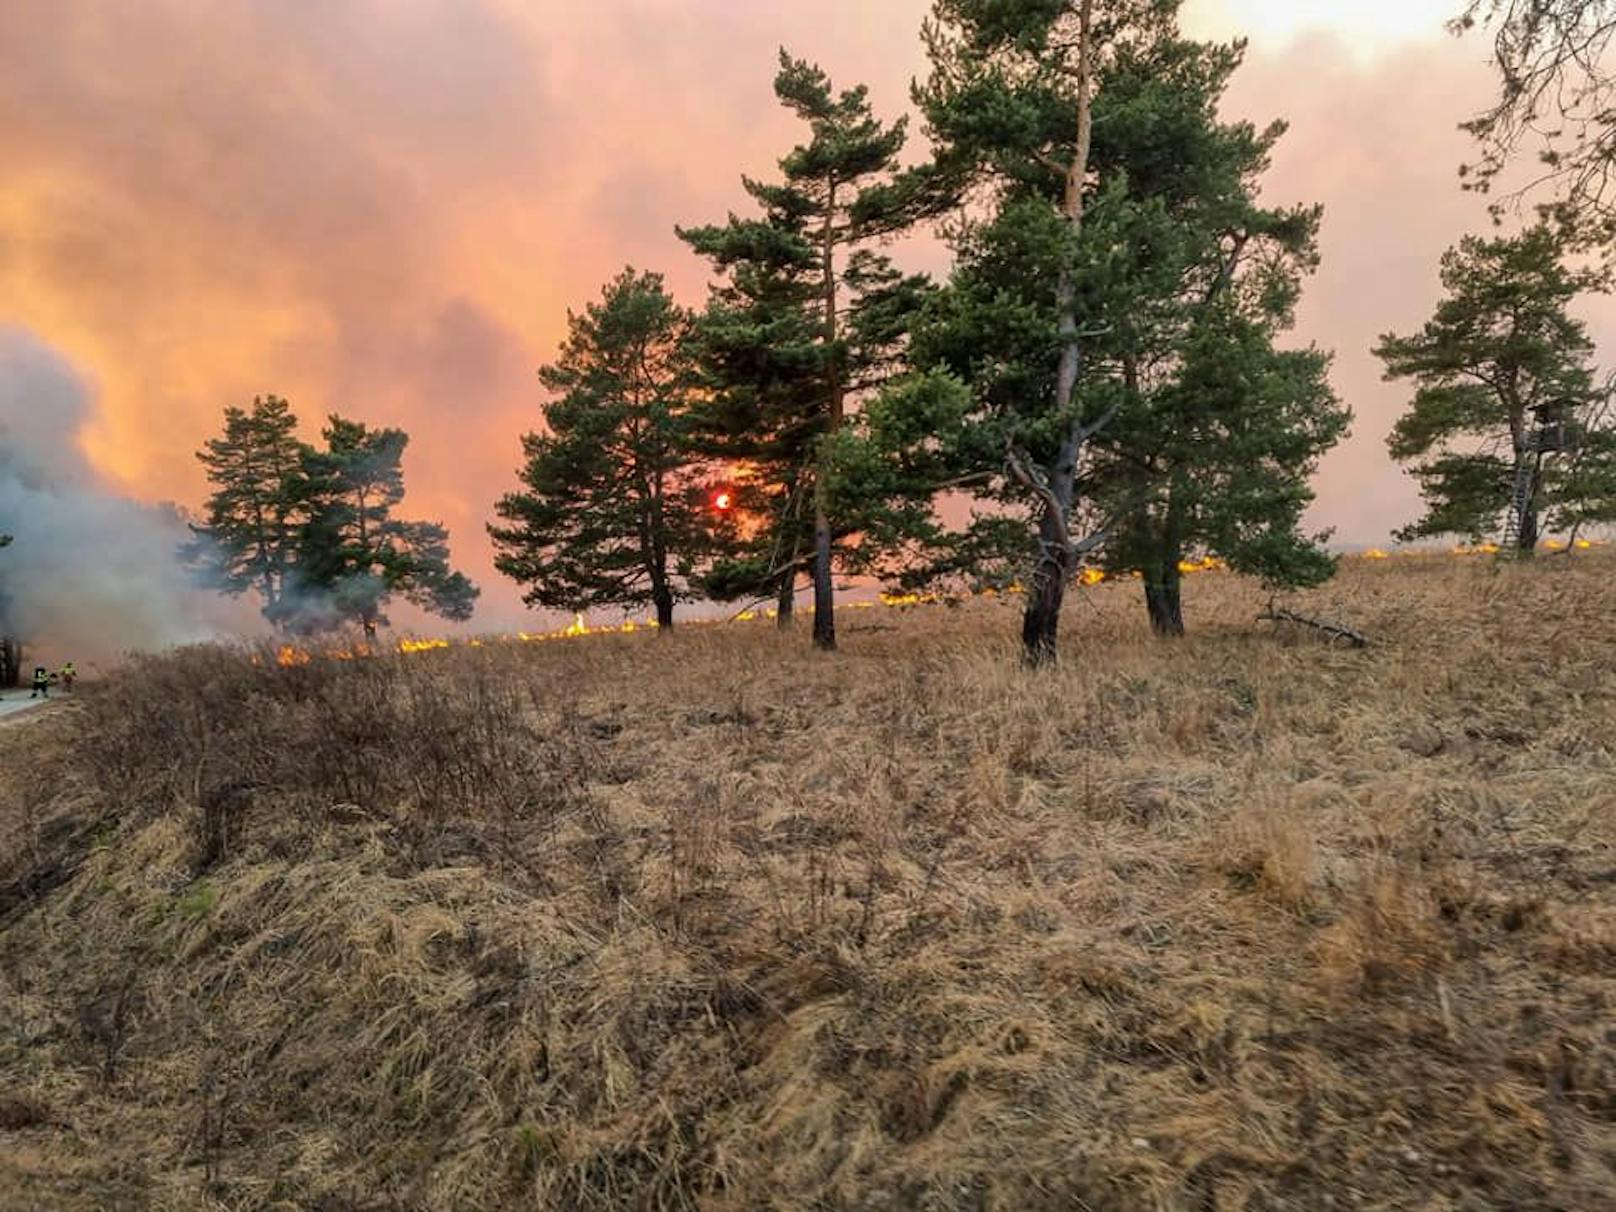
{"x": 385, "y": 207}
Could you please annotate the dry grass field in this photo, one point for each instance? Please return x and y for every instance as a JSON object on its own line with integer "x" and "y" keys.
{"x": 710, "y": 922}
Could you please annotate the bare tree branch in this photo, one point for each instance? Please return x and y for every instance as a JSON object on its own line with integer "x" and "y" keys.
{"x": 1557, "y": 91}
{"x": 1336, "y": 631}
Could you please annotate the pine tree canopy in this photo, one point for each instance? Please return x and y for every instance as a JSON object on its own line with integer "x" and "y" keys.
{"x": 248, "y": 539}
{"x": 807, "y": 316}
{"x": 1104, "y": 359}
{"x": 355, "y": 554}
{"x": 311, "y": 531}
{"x": 610, "y": 513}
{"x": 1501, "y": 347}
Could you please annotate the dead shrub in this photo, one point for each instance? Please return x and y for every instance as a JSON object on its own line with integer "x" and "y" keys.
{"x": 1388, "y": 935}
{"x": 1270, "y": 850}
{"x": 19, "y": 1111}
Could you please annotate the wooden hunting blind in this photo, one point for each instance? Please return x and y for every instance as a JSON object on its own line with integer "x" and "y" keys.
{"x": 1553, "y": 431}
{"x": 1554, "y": 427}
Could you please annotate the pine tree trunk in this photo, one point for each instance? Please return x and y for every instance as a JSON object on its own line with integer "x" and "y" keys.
{"x": 654, "y": 545}
{"x": 1040, "y": 625}
{"x": 824, "y": 585}
{"x": 786, "y": 606}
{"x": 824, "y": 573}
{"x": 1527, "y": 543}
{"x": 1164, "y": 600}
{"x": 1056, "y": 565}
{"x": 1164, "y": 582}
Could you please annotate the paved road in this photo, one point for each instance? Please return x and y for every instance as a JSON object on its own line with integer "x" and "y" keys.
{"x": 14, "y": 702}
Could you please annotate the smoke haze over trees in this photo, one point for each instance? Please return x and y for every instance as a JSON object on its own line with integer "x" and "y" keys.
{"x": 90, "y": 573}
{"x": 372, "y": 285}
{"x": 408, "y": 224}
{"x": 311, "y": 531}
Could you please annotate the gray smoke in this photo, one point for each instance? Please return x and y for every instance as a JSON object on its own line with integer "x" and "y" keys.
{"x": 90, "y": 574}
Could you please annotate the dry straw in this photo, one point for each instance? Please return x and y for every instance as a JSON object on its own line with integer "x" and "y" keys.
{"x": 708, "y": 921}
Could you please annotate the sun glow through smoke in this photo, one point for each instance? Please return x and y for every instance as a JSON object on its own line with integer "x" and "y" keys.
{"x": 385, "y": 209}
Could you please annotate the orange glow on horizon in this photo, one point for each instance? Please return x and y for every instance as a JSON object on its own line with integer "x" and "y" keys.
{"x": 390, "y": 219}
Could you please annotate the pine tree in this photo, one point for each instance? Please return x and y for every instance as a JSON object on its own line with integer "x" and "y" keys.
{"x": 1221, "y": 454}
{"x": 1045, "y": 285}
{"x": 248, "y": 540}
{"x": 1503, "y": 389}
{"x": 611, "y": 509}
{"x": 808, "y": 276}
{"x": 311, "y": 531}
{"x": 759, "y": 361}
{"x": 353, "y": 555}
{"x": 1581, "y": 487}
{"x": 1102, "y": 364}
{"x": 1221, "y": 431}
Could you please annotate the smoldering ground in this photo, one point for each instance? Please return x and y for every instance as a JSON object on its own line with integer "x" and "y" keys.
{"x": 90, "y": 573}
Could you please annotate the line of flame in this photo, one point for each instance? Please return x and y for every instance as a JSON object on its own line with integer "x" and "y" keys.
{"x": 290, "y": 656}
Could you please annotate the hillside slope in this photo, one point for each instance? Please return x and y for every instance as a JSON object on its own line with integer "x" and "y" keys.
{"x": 709, "y": 921}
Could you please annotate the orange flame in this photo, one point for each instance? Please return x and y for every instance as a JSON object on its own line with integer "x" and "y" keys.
{"x": 412, "y": 646}
{"x": 289, "y": 657}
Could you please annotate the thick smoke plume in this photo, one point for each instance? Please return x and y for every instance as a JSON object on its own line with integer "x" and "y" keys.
{"x": 90, "y": 574}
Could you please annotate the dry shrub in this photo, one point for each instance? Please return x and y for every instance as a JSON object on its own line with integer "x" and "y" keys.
{"x": 24, "y": 1110}
{"x": 713, "y": 922}
{"x": 1388, "y": 936}
{"x": 221, "y": 733}
{"x": 1271, "y": 850}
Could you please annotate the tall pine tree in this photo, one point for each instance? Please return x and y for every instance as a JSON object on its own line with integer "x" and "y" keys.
{"x": 1221, "y": 430}
{"x": 1102, "y": 365}
{"x": 610, "y": 507}
{"x": 354, "y": 555}
{"x": 1503, "y": 391}
{"x": 815, "y": 251}
{"x": 1044, "y": 283}
{"x": 249, "y": 537}
{"x": 757, "y": 415}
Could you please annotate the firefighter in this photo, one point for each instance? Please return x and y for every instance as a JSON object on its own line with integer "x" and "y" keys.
{"x": 42, "y": 681}
{"x": 68, "y": 676}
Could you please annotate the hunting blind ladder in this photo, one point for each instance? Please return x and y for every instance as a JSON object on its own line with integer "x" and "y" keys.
{"x": 1550, "y": 432}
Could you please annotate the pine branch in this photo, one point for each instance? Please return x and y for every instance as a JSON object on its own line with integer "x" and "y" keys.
{"x": 1336, "y": 631}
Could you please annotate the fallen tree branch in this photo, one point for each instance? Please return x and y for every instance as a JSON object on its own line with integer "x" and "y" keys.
{"x": 1336, "y": 631}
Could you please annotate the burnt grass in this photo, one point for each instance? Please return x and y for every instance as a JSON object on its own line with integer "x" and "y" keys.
{"x": 708, "y": 921}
